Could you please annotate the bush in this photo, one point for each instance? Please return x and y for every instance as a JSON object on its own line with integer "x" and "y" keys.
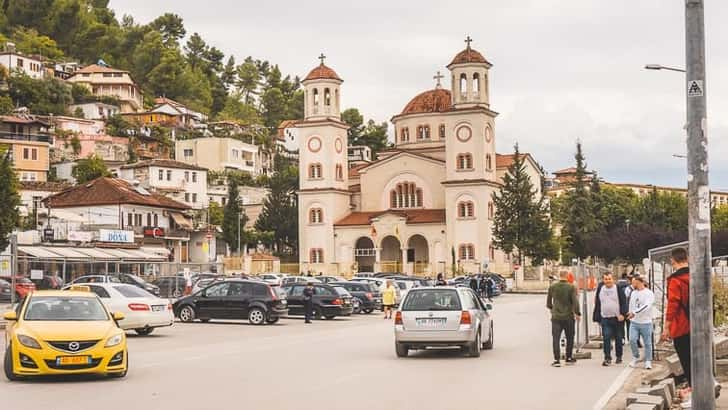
{"x": 720, "y": 302}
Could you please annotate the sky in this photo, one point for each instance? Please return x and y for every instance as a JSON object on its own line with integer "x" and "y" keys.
{"x": 563, "y": 70}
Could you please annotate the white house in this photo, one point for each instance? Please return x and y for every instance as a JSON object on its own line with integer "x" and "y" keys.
{"x": 14, "y": 61}
{"x": 182, "y": 182}
{"x": 95, "y": 110}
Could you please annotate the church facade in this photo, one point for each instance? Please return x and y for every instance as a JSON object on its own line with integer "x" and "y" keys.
{"x": 424, "y": 205}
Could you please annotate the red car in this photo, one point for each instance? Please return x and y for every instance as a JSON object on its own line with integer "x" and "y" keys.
{"x": 23, "y": 285}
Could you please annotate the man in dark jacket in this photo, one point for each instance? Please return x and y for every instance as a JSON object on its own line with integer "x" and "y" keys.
{"x": 308, "y": 301}
{"x": 440, "y": 280}
{"x": 610, "y": 308}
{"x": 564, "y": 306}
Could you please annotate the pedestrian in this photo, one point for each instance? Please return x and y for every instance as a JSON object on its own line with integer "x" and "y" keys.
{"x": 489, "y": 285}
{"x": 610, "y": 307}
{"x": 388, "y": 296}
{"x": 640, "y": 315}
{"x": 308, "y": 301}
{"x": 474, "y": 283}
{"x": 564, "y": 306}
{"x": 627, "y": 293}
{"x": 677, "y": 316}
{"x": 440, "y": 280}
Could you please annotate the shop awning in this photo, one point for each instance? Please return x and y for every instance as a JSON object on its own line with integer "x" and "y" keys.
{"x": 158, "y": 250}
{"x": 181, "y": 220}
{"x": 90, "y": 254}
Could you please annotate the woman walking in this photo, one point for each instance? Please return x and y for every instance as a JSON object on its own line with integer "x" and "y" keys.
{"x": 388, "y": 297}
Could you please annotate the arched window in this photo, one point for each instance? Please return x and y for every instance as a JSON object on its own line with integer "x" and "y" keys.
{"x": 466, "y": 252}
{"x": 314, "y": 171}
{"x": 316, "y": 255}
{"x": 476, "y": 83}
{"x": 463, "y": 85}
{"x": 336, "y": 99}
{"x": 491, "y": 211}
{"x": 316, "y": 216}
{"x": 327, "y": 97}
{"x": 315, "y": 96}
{"x": 405, "y": 195}
{"x": 420, "y": 132}
{"x": 339, "y": 172}
{"x": 426, "y": 130}
{"x": 464, "y": 162}
{"x": 488, "y": 162}
{"x": 466, "y": 209}
{"x": 404, "y": 134}
{"x": 442, "y": 131}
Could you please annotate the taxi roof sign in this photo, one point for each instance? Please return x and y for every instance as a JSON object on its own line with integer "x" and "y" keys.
{"x": 80, "y": 288}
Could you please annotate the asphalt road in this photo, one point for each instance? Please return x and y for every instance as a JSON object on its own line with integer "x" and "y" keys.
{"x": 346, "y": 363}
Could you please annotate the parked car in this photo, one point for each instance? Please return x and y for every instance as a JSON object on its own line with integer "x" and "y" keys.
{"x": 49, "y": 282}
{"x": 364, "y": 275}
{"x": 170, "y": 286}
{"x": 135, "y": 280}
{"x": 355, "y": 303}
{"x": 96, "y": 279}
{"x": 203, "y": 283}
{"x": 329, "y": 279}
{"x": 5, "y": 291}
{"x": 327, "y": 302}
{"x": 457, "y": 280}
{"x": 143, "y": 311}
{"x": 416, "y": 280}
{"x": 369, "y": 297}
{"x": 272, "y": 278}
{"x": 256, "y": 301}
{"x": 23, "y": 286}
{"x": 443, "y": 316}
{"x": 289, "y": 280}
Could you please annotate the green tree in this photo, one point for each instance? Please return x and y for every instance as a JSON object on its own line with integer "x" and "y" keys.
{"x": 371, "y": 134}
{"x": 521, "y": 221}
{"x": 171, "y": 27}
{"x": 248, "y": 78}
{"x": 355, "y": 120}
{"x": 231, "y": 215}
{"x": 280, "y": 208}
{"x": 90, "y": 168}
{"x": 719, "y": 218}
{"x": 274, "y": 103}
{"x": 9, "y": 215}
{"x": 45, "y": 96}
{"x": 27, "y": 40}
{"x": 216, "y": 213}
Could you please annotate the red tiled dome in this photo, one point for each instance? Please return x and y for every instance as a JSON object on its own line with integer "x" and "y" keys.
{"x": 469, "y": 55}
{"x": 437, "y": 100}
{"x": 322, "y": 72}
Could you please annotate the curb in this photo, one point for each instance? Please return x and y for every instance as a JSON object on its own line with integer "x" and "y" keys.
{"x": 527, "y": 292}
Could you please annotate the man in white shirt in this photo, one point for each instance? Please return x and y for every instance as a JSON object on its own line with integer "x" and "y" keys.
{"x": 640, "y": 314}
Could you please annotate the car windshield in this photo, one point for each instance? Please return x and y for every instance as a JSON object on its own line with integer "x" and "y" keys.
{"x": 402, "y": 285}
{"x": 131, "y": 291}
{"x": 62, "y": 308}
{"x": 341, "y": 291}
{"x": 432, "y": 299}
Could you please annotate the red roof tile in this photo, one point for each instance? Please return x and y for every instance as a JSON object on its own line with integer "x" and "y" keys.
{"x": 354, "y": 171}
{"x": 109, "y": 191}
{"x": 437, "y": 100}
{"x": 413, "y": 216}
{"x": 46, "y": 186}
{"x": 469, "y": 55}
{"x": 322, "y": 72}
{"x": 95, "y": 68}
{"x": 505, "y": 160}
{"x": 167, "y": 163}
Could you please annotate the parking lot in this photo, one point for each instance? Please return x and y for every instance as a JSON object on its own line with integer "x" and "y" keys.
{"x": 343, "y": 363}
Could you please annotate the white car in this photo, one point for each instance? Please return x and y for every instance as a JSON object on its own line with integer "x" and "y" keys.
{"x": 272, "y": 278}
{"x": 143, "y": 312}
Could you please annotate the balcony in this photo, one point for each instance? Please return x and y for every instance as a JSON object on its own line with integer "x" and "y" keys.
{"x": 4, "y": 135}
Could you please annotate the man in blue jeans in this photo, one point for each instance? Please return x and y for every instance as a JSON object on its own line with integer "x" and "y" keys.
{"x": 610, "y": 309}
{"x": 640, "y": 313}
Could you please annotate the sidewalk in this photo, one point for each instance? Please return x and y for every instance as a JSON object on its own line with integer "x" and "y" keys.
{"x": 3, "y": 308}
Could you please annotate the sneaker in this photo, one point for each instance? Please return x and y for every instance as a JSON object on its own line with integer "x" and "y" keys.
{"x": 648, "y": 364}
{"x": 556, "y": 363}
{"x": 634, "y": 362}
{"x": 570, "y": 361}
{"x": 606, "y": 363}
{"x": 618, "y": 361}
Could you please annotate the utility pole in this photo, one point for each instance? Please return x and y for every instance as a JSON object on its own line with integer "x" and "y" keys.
{"x": 13, "y": 266}
{"x": 701, "y": 292}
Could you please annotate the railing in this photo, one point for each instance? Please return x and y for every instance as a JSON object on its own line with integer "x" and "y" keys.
{"x": 25, "y": 137}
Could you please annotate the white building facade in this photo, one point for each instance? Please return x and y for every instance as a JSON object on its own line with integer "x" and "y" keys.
{"x": 180, "y": 181}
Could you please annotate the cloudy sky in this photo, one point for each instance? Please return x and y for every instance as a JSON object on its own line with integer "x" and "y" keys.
{"x": 563, "y": 69}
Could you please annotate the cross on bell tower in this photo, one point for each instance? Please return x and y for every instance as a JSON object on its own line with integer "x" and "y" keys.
{"x": 322, "y": 57}
{"x": 437, "y": 78}
{"x": 468, "y": 40}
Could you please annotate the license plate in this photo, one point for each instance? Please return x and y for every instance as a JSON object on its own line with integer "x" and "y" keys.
{"x": 431, "y": 322}
{"x": 72, "y": 360}
{"x": 157, "y": 308}
{"x": 283, "y": 302}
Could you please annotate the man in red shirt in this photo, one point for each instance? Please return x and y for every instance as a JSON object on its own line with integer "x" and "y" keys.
{"x": 677, "y": 316}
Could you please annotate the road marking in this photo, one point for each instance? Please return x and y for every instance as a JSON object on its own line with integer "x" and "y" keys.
{"x": 612, "y": 390}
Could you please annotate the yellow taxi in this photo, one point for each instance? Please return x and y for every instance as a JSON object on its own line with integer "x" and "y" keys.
{"x": 64, "y": 332}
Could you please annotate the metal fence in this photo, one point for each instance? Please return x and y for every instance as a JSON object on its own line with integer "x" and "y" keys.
{"x": 586, "y": 278}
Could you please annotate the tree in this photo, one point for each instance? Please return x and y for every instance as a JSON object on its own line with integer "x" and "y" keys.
{"x": 27, "y": 40}
{"x": 171, "y": 27}
{"x": 521, "y": 222}
{"x": 371, "y": 134}
{"x": 46, "y": 96}
{"x": 90, "y": 168}
{"x": 280, "y": 208}
{"x": 9, "y": 214}
{"x": 355, "y": 120}
{"x": 248, "y": 79}
{"x": 231, "y": 224}
{"x": 216, "y": 214}
{"x": 719, "y": 218}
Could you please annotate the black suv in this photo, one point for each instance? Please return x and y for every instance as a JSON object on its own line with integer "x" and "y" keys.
{"x": 256, "y": 301}
{"x": 135, "y": 280}
{"x": 369, "y": 298}
{"x": 171, "y": 286}
{"x": 326, "y": 301}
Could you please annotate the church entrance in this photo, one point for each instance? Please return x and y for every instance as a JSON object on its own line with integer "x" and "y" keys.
{"x": 418, "y": 254}
{"x": 364, "y": 254}
{"x": 391, "y": 255}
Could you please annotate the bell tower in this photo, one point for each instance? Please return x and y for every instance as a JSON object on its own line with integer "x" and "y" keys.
{"x": 469, "y": 70}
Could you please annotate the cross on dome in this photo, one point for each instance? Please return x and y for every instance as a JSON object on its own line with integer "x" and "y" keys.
{"x": 322, "y": 57}
{"x": 468, "y": 40}
{"x": 437, "y": 78}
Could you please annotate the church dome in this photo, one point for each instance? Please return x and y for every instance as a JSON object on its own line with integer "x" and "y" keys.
{"x": 437, "y": 100}
{"x": 322, "y": 72}
{"x": 469, "y": 55}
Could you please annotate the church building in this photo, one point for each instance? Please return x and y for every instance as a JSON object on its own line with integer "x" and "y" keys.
{"x": 424, "y": 205}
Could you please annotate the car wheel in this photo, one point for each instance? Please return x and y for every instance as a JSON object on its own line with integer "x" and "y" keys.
{"x": 368, "y": 311}
{"x": 256, "y": 316}
{"x": 187, "y": 314}
{"x": 402, "y": 350}
{"x": 474, "y": 348}
{"x": 330, "y": 317}
{"x": 273, "y": 320}
{"x": 489, "y": 344}
{"x": 144, "y": 331}
{"x": 317, "y": 313}
{"x": 8, "y": 365}
{"x": 357, "y": 306}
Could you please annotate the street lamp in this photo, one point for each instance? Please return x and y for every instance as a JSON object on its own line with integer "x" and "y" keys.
{"x": 662, "y": 67}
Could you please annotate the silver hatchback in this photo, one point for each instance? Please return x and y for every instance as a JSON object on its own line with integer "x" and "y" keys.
{"x": 443, "y": 316}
